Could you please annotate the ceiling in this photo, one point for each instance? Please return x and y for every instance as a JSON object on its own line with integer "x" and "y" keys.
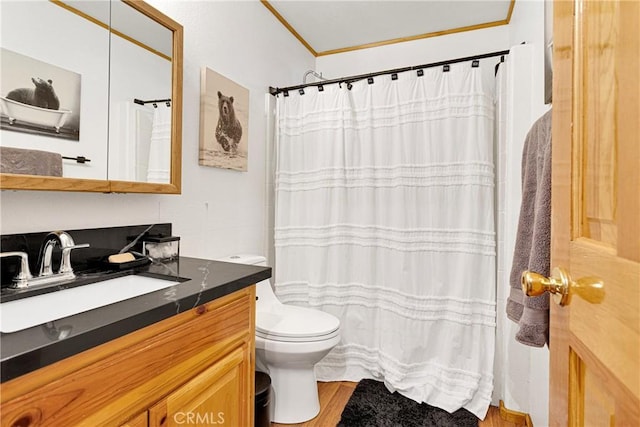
{"x": 326, "y": 27}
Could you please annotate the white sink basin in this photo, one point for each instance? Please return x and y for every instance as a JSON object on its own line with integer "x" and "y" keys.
{"x": 27, "y": 312}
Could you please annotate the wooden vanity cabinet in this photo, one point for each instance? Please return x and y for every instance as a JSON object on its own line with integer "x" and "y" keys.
{"x": 141, "y": 420}
{"x": 195, "y": 368}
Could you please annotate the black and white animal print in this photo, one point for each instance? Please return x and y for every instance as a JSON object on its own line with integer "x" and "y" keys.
{"x": 42, "y": 95}
{"x": 229, "y": 129}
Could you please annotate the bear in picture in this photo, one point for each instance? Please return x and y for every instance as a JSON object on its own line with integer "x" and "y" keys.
{"x": 42, "y": 95}
{"x": 229, "y": 129}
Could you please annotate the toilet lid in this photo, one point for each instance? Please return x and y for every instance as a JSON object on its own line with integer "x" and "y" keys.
{"x": 289, "y": 321}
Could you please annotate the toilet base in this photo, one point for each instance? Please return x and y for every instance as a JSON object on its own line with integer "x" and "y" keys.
{"x": 295, "y": 395}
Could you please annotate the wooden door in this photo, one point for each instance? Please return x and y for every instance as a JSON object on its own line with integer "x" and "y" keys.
{"x": 218, "y": 396}
{"x": 595, "y": 348}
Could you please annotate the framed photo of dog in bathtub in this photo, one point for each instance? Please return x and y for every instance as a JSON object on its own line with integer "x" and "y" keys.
{"x": 224, "y": 122}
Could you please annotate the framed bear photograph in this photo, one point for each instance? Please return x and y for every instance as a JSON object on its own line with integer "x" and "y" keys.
{"x": 224, "y": 122}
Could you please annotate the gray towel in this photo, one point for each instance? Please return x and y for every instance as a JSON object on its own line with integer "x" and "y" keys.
{"x": 533, "y": 239}
{"x": 30, "y": 162}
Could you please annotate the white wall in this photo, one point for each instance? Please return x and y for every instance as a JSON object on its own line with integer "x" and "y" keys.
{"x": 521, "y": 372}
{"x": 525, "y": 370}
{"x": 415, "y": 52}
{"x": 220, "y": 211}
{"x": 528, "y": 25}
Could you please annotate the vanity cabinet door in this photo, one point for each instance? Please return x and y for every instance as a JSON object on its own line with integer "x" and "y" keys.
{"x": 220, "y": 395}
{"x": 141, "y": 420}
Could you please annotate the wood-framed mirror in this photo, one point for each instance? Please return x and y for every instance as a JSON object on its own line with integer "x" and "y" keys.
{"x": 115, "y": 68}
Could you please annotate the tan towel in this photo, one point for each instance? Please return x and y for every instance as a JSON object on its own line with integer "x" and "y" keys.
{"x": 533, "y": 239}
{"x": 30, "y": 162}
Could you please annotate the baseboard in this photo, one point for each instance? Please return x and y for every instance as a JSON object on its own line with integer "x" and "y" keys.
{"x": 515, "y": 417}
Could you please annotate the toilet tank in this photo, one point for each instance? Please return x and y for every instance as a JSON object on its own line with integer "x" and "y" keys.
{"x": 245, "y": 259}
{"x": 264, "y": 292}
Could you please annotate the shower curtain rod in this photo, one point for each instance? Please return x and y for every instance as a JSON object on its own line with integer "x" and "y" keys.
{"x": 155, "y": 102}
{"x": 276, "y": 90}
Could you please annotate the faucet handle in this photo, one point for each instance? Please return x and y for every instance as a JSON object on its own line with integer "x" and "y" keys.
{"x": 78, "y": 246}
{"x": 24, "y": 275}
{"x": 65, "y": 265}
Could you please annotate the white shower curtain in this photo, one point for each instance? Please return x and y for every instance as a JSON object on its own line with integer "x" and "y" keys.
{"x": 160, "y": 148}
{"x": 384, "y": 218}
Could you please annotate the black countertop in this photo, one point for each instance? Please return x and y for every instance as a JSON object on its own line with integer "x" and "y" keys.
{"x": 201, "y": 281}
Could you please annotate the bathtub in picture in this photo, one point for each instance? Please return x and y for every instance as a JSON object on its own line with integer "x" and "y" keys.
{"x": 17, "y": 111}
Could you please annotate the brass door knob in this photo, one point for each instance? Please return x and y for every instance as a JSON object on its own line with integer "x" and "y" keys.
{"x": 561, "y": 287}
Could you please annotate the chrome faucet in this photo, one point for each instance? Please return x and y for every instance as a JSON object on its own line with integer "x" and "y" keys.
{"x": 66, "y": 243}
{"x": 24, "y": 279}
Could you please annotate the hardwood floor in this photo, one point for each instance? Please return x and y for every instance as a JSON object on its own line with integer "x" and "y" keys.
{"x": 335, "y": 395}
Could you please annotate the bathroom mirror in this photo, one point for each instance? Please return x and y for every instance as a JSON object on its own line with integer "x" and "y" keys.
{"x": 104, "y": 61}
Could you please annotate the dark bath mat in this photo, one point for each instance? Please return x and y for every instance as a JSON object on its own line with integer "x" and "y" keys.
{"x": 371, "y": 405}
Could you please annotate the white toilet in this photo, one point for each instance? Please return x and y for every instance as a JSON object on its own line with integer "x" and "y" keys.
{"x": 290, "y": 340}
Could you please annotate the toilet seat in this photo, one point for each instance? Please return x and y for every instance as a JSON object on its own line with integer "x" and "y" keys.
{"x": 295, "y": 324}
